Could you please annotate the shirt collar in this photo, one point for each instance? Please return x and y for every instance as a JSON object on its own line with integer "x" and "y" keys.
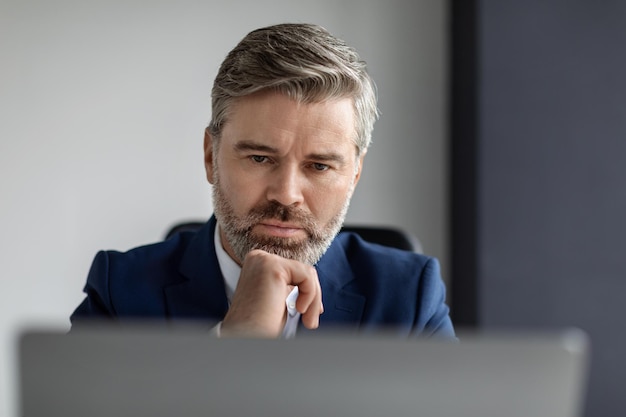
{"x": 230, "y": 269}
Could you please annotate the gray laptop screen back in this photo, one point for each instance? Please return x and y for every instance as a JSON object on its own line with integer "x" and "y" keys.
{"x": 152, "y": 373}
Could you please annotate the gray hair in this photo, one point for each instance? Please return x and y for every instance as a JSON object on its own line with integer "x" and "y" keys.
{"x": 304, "y": 62}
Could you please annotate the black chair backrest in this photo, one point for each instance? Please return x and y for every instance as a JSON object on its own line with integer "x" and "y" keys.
{"x": 386, "y": 235}
{"x": 190, "y": 226}
{"x": 383, "y": 235}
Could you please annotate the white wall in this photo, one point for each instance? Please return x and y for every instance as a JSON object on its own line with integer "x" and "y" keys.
{"x": 103, "y": 106}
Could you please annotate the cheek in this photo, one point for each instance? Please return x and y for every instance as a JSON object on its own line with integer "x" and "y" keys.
{"x": 327, "y": 202}
{"x": 242, "y": 192}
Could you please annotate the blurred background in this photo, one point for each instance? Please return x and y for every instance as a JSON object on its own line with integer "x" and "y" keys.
{"x": 502, "y": 146}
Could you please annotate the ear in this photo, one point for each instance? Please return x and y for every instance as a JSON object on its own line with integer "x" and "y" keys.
{"x": 359, "y": 168}
{"x": 208, "y": 155}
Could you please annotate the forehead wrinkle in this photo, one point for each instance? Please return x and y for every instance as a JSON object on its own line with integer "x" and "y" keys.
{"x": 282, "y": 129}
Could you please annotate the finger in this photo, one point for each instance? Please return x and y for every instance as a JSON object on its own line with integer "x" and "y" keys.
{"x": 308, "y": 287}
{"x": 309, "y": 302}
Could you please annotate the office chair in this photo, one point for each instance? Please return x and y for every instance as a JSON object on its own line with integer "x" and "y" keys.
{"x": 383, "y": 235}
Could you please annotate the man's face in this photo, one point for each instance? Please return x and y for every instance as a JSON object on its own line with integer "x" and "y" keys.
{"x": 283, "y": 175}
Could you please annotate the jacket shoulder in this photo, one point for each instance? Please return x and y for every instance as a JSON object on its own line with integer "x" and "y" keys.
{"x": 153, "y": 262}
{"x": 401, "y": 288}
{"x": 373, "y": 259}
{"x": 131, "y": 283}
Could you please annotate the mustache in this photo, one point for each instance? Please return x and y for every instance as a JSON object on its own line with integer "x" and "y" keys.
{"x": 274, "y": 210}
{"x": 277, "y": 211}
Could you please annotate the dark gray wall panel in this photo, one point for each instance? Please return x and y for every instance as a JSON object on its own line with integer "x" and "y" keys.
{"x": 551, "y": 176}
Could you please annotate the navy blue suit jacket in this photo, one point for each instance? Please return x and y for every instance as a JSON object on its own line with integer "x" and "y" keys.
{"x": 364, "y": 286}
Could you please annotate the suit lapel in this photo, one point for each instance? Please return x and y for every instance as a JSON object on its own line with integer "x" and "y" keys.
{"x": 341, "y": 305}
{"x": 202, "y": 293}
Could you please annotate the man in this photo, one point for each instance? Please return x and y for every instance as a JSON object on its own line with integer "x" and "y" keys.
{"x": 293, "y": 109}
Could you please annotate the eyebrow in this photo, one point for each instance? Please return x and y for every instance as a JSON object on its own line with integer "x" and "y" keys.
{"x": 247, "y": 145}
{"x": 327, "y": 157}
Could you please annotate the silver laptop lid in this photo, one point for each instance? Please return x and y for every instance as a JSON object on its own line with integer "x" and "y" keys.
{"x": 155, "y": 372}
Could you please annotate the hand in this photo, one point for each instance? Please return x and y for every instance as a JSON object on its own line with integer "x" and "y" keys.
{"x": 258, "y": 306}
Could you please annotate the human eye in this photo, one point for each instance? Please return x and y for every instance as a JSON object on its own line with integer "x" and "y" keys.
{"x": 320, "y": 167}
{"x": 259, "y": 159}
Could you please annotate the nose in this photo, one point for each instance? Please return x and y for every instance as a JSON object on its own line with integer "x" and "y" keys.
{"x": 286, "y": 186}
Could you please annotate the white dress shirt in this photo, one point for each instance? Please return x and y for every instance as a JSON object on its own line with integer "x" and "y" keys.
{"x": 231, "y": 271}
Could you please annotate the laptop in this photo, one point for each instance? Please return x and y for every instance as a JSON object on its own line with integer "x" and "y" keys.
{"x": 152, "y": 371}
